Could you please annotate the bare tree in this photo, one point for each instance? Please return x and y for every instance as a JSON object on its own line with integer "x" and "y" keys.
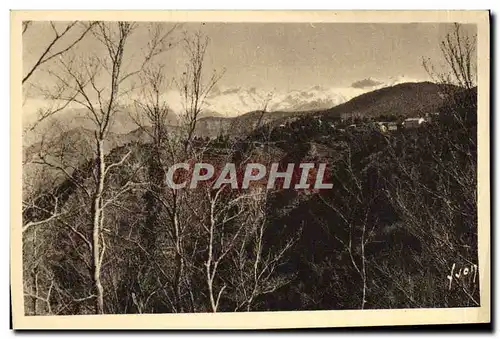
{"x": 173, "y": 144}
{"x": 193, "y": 86}
{"x": 359, "y": 230}
{"x": 447, "y": 229}
{"x": 65, "y": 38}
{"x": 255, "y": 270}
{"x": 214, "y": 238}
{"x": 101, "y": 98}
{"x": 59, "y": 44}
{"x": 151, "y": 117}
{"x": 223, "y": 214}
{"x": 151, "y": 108}
{"x": 437, "y": 201}
{"x": 458, "y": 49}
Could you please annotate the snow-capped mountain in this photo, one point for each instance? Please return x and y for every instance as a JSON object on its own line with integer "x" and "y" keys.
{"x": 236, "y": 101}
{"x": 232, "y": 102}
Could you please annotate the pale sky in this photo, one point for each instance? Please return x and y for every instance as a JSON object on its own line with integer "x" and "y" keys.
{"x": 331, "y": 55}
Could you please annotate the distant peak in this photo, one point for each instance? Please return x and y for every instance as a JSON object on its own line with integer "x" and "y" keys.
{"x": 372, "y": 83}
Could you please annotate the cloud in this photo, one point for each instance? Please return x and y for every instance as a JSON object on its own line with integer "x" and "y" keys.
{"x": 366, "y": 83}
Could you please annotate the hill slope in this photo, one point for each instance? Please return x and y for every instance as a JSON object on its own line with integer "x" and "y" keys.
{"x": 408, "y": 99}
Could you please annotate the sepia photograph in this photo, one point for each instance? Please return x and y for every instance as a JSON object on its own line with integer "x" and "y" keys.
{"x": 220, "y": 169}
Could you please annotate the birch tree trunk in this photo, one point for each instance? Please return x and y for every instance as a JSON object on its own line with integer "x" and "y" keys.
{"x": 97, "y": 253}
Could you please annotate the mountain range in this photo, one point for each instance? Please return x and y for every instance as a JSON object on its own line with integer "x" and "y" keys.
{"x": 74, "y": 131}
{"x": 227, "y": 102}
{"x": 231, "y": 102}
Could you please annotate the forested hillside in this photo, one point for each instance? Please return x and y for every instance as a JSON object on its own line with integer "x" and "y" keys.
{"x": 385, "y": 236}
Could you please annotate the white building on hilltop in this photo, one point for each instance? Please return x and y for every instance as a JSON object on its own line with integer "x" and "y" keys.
{"x": 413, "y": 122}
